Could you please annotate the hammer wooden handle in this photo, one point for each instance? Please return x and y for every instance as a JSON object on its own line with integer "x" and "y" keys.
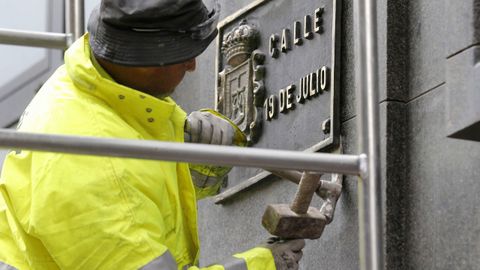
{"x": 306, "y": 188}
{"x": 290, "y": 175}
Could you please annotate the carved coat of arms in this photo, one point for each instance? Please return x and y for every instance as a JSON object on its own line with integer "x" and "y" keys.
{"x": 240, "y": 89}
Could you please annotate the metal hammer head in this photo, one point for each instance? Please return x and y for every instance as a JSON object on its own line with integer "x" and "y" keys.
{"x": 281, "y": 221}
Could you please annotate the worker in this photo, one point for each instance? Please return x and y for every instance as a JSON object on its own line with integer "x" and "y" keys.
{"x": 65, "y": 211}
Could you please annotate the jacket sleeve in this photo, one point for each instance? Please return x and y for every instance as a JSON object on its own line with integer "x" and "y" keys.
{"x": 207, "y": 179}
{"x": 258, "y": 258}
{"x": 253, "y": 259}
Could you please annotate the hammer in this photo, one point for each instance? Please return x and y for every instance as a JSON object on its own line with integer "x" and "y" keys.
{"x": 298, "y": 220}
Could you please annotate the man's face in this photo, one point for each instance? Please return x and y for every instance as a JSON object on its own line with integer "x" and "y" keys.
{"x": 162, "y": 81}
{"x": 155, "y": 81}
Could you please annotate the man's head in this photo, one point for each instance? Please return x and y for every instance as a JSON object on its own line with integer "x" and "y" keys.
{"x": 157, "y": 40}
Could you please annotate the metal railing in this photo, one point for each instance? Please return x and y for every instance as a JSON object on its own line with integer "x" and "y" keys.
{"x": 35, "y": 39}
{"x": 187, "y": 152}
{"x": 366, "y": 165}
{"x": 370, "y": 217}
{"x": 74, "y": 28}
{"x": 75, "y": 18}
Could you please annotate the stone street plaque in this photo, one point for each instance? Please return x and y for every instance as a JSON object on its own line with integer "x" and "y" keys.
{"x": 277, "y": 75}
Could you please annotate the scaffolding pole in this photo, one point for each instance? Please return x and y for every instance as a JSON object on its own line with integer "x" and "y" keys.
{"x": 74, "y": 18}
{"x": 369, "y": 190}
{"x": 186, "y": 152}
{"x": 34, "y": 38}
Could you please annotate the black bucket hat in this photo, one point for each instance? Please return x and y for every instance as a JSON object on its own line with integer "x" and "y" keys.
{"x": 151, "y": 33}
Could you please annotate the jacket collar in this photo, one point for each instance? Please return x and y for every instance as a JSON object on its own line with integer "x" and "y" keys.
{"x": 140, "y": 110}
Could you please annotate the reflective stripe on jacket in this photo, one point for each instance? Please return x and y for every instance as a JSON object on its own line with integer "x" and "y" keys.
{"x": 63, "y": 211}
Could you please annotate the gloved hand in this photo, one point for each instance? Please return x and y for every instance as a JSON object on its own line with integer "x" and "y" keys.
{"x": 210, "y": 127}
{"x": 286, "y": 253}
{"x": 205, "y": 127}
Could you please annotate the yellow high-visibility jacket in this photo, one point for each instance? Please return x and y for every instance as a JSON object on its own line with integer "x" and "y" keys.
{"x": 64, "y": 211}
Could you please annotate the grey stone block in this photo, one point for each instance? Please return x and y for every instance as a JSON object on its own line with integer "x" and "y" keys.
{"x": 426, "y": 43}
{"x": 393, "y": 50}
{"x": 393, "y": 128}
{"x": 463, "y": 95}
{"x": 347, "y": 70}
{"x": 441, "y": 191}
{"x": 463, "y": 25}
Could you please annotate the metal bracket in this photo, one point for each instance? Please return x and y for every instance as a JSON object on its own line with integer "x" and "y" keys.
{"x": 329, "y": 191}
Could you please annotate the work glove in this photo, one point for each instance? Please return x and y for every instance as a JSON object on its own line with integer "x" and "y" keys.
{"x": 210, "y": 127}
{"x": 206, "y": 127}
{"x": 286, "y": 253}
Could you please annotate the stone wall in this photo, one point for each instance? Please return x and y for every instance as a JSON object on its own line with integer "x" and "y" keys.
{"x": 428, "y": 90}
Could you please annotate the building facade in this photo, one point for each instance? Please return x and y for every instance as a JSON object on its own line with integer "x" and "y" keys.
{"x": 429, "y": 54}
